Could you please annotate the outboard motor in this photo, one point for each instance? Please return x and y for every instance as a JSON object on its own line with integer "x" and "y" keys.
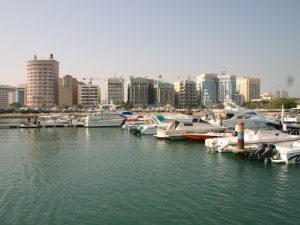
{"x": 135, "y": 131}
{"x": 269, "y": 152}
{"x": 259, "y": 151}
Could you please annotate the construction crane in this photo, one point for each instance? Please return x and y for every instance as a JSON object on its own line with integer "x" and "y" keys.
{"x": 90, "y": 82}
{"x": 187, "y": 77}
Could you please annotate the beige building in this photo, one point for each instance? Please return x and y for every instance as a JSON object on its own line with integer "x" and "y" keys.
{"x": 42, "y": 83}
{"x": 185, "y": 93}
{"x": 248, "y": 87}
{"x": 115, "y": 90}
{"x": 88, "y": 95}
{"x": 68, "y": 91}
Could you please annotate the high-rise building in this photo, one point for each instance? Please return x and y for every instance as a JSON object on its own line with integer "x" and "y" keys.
{"x": 164, "y": 94}
{"x": 115, "y": 90}
{"x": 226, "y": 86}
{"x": 7, "y": 95}
{"x": 140, "y": 91}
{"x": 88, "y": 95}
{"x": 185, "y": 93}
{"x": 248, "y": 87}
{"x": 207, "y": 88}
{"x": 68, "y": 91}
{"x": 42, "y": 82}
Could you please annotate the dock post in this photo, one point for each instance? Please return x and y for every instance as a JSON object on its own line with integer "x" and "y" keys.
{"x": 240, "y": 130}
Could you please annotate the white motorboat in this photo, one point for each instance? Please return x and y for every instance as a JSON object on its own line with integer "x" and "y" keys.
{"x": 251, "y": 137}
{"x": 293, "y": 116}
{"x": 288, "y": 153}
{"x": 54, "y": 120}
{"x": 106, "y": 116}
{"x": 153, "y": 123}
{"x": 177, "y": 129}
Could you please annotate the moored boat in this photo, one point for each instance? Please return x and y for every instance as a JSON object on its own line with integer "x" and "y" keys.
{"x": 251, "y": 137}
{"x": 204, "y": 136}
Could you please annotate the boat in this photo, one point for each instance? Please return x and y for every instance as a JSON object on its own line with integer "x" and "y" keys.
{"x": 54, "y": 120}
{"x": 26, "y": 125}
{"x": 177, "y": 129}
{"x": 203, "y": 136}
{"x": 287, "y": 153}
{"x": 105, "y": 116}
{"x": 151, "y": 125}
{"x": 251, "y": 137}
{"x": 293, "y": 116}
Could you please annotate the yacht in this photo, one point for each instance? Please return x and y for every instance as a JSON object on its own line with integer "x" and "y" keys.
{"x": 251, "y": 137}
{"x": 105, "y": 116}
{"x": 177, "y": 129}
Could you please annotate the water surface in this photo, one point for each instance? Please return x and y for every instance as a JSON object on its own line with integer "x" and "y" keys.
{"x": 107, "y": 176}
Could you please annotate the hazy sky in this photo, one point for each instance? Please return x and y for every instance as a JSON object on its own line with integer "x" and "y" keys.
{"x": 155, "y": 37}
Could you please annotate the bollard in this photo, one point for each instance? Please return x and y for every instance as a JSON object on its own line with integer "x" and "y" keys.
{"x": 240, "y": 130}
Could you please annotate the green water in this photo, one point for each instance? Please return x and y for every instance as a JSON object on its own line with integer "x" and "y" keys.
{"x": 107, "y": 176}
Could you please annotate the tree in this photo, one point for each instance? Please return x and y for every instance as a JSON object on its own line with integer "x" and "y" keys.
{"x": 250, "y": 105}
{"x": 286, "y": 102}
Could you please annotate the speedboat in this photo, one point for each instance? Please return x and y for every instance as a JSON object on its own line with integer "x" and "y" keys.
{"x": 106, "y": 116}
{"x": 152, "y": 124}
{"x": 177, "y": 129}
{"x": 251, "y": 137}
{"x": 287, "y": 153}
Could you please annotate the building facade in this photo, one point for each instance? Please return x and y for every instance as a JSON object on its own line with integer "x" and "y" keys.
{"x": 68, "y": 91}
{"x": 185, "y": 93}
{"x": 226, "y": 87}
{"x": 88, "y": 95}
{"x": 207, "y": 89}
{"x": 164, "y": 94}
{"x": 115, "y": 90}
{"x": 7, "y": 95}
{"x": 42, "y": 83}
{"x": 248, "y": 87}
{"x": 140, "y": 91}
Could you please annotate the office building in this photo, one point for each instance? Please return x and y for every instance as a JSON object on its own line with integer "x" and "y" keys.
{"x": 140, "y": 91}
{"x": 88, "y": 95}
{"x": 164, "y": 94}
{"x": 7, "y": 95}
{"x": 115, "y": 90}
{"x": 207, "y": 89}
{"x": 226, "y": 87}
{"x": 185, "y": 93}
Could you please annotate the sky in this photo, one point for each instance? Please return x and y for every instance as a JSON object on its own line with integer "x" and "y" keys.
{"x": 172, "y": 38}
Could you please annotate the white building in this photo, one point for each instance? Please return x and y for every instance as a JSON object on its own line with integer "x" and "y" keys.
{"x": 7, "y": 95}
{"x": 88, "y": 95}
{"x": 115, "y": 90}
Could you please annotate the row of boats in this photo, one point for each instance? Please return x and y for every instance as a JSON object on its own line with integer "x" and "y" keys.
{"x": 218, "y": 132}
{"x": 261, "y": 135}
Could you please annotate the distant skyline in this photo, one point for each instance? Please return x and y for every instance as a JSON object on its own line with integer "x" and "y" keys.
{"x": 143, "y": 38}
